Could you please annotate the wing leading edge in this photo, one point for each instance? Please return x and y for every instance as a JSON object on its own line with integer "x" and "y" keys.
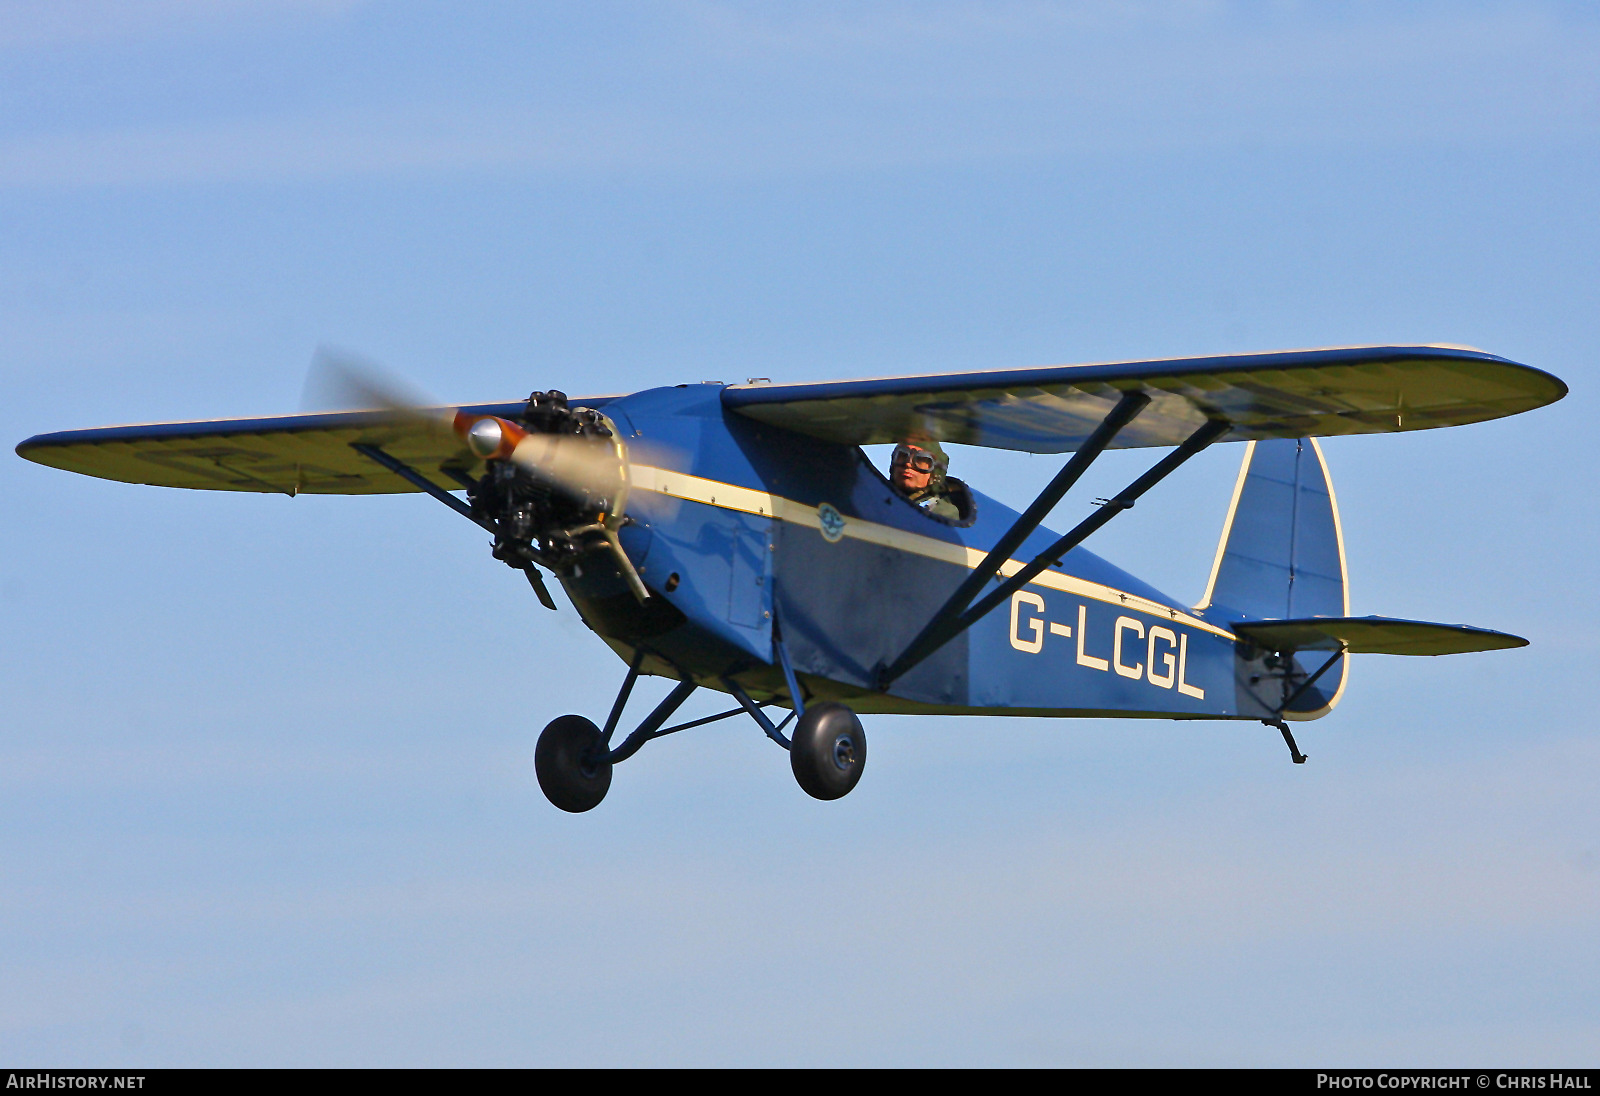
{"x": 1052, "y": 409}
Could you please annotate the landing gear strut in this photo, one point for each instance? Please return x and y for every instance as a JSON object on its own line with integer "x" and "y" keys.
{"x": 574, "y": 758}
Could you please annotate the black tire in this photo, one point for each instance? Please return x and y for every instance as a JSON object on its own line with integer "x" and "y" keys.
{"x": 569, "y": 761}
{"x": 828, "y": 751}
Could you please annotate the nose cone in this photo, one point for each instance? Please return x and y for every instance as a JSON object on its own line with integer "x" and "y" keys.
{"x": 485, "y": 437}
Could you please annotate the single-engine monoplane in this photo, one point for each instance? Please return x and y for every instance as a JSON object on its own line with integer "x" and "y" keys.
{"x": 736, "y": 537}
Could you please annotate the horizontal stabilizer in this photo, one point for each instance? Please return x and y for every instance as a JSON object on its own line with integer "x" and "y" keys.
{"x": 1373, "y": 635}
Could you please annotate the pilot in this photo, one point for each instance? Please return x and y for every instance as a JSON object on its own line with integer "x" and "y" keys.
{"x": 918, "y": 470}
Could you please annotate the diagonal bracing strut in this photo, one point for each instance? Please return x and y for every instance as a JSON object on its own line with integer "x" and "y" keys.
{"x": 651, "y": 728}
{"x": 956, "y": 617}
{"x": 933, "y": 636}
{"x": 417, "y": 479}
{"x": 1305, "y": 686}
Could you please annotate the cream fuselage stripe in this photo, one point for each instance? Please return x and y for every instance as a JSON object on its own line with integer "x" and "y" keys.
{"x": 681, "y": 485}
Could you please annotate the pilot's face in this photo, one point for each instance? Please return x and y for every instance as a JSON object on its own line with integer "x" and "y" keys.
{"x": 910, "y": 469}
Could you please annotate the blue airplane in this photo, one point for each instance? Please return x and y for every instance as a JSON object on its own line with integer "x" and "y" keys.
{"x": 737, "y": 538}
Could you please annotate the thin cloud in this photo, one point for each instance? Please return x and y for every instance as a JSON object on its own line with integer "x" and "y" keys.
{"x": 295, "y": 149}
{"x": 742, "y": 93}
{"x": 25, "y": 24}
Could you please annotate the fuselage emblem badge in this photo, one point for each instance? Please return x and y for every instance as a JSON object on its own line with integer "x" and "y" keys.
{"x": 832, "y": 523}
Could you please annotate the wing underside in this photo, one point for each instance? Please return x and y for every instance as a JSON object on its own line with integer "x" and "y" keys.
{"x": 291, "y": 454}
{"x": 1052, "y": 409}
{"x": 1294, "y": 394}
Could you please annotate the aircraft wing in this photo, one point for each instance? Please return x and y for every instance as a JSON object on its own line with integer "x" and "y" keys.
{"x": 1374, "y": 636}
{"x": 1052, "y": 409}
{"x": 293, "y": 454}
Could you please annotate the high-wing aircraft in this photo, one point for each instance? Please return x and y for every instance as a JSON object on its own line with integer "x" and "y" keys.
{"x": 737, "y": 538}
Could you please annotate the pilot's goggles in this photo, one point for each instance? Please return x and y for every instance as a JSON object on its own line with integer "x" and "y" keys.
{"x": 920, "y": 460}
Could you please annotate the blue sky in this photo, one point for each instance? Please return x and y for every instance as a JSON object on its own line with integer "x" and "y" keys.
{"x": 266, "y": 793}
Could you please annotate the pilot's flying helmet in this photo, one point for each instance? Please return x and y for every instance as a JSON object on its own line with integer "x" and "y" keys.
{"x": 923, "y": 454}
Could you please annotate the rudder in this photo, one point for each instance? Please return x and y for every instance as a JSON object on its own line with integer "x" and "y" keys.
{"x": 1281, "y": 554}
{"x": 1281, "y": 557}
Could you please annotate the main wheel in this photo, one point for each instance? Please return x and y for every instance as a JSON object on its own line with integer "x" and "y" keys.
{"x": 828, "y": 751}
{"x": 571, "y": 765}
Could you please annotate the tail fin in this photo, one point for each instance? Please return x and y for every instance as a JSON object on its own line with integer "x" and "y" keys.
{"x": 1281, "y": 555}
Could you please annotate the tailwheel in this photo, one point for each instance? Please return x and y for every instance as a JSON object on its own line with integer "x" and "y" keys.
{"x": 828, "y": 751}
{"x": 571, "y": 764}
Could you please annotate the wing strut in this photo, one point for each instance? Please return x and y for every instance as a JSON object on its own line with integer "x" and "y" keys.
{"x": 954, "y": 618}
{"x": 418, "y": 480}
{"x": 933, "y": 635}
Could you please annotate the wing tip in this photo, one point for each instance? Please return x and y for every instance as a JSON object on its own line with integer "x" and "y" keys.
{"x": 32, "y": 449}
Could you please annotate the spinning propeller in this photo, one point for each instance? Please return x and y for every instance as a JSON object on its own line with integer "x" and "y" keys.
{"x": 584, "y": 465}
{"x": 575, "y": 452}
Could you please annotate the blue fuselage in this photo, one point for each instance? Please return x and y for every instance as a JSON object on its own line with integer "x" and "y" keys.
{"x": 738, "y": 526}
